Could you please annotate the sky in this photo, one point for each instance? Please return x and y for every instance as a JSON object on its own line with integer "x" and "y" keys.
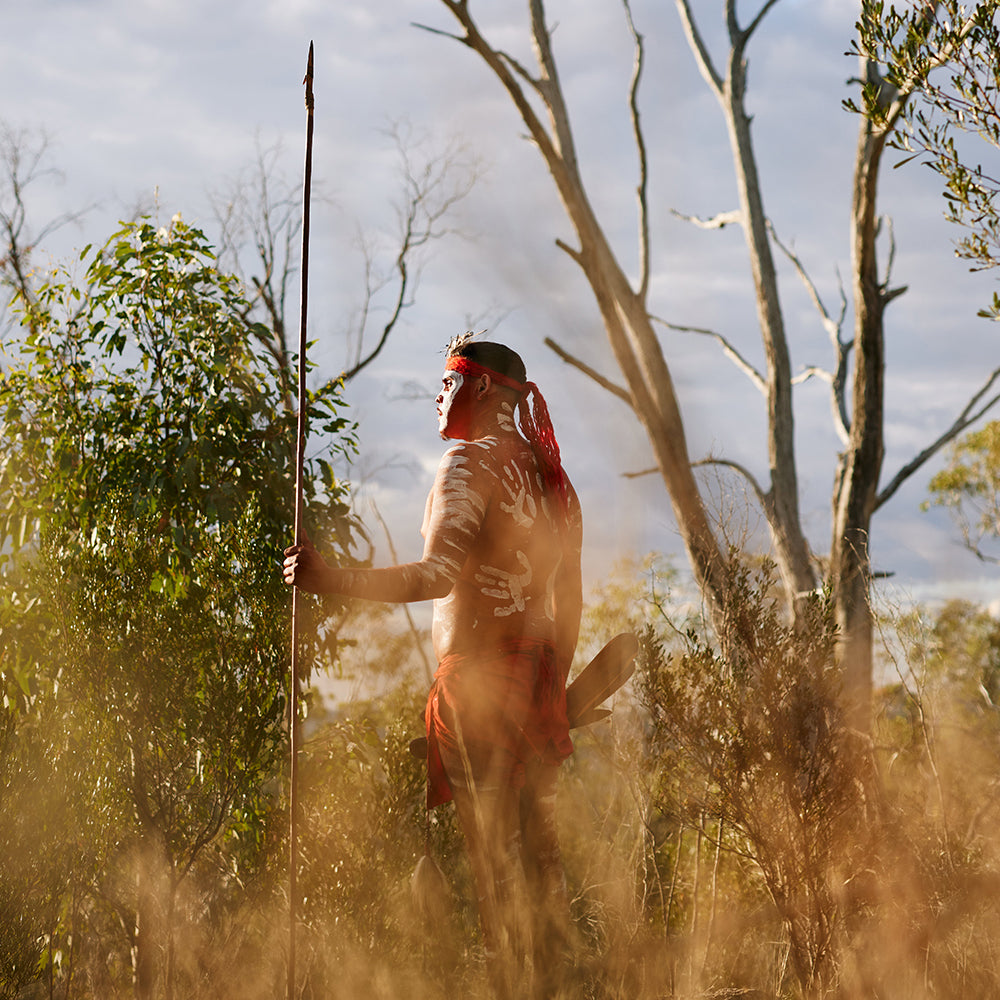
{"x": 167, "y": 103}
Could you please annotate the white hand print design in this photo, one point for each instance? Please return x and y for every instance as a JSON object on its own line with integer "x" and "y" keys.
{"x": 506, "y": 586}
{"x": 522, "y": 506}
{"x": 505, "y": 418}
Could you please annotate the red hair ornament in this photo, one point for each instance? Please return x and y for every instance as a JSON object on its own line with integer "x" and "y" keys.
{"x": 536, "y": 424}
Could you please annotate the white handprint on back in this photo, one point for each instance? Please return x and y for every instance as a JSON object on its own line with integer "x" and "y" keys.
{"x": 507, "y": 587}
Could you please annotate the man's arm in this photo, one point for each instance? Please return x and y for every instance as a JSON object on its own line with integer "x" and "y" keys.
{"x": 457, "y": 508}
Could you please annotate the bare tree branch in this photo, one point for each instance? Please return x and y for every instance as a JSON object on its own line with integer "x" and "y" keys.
{"x": 616, "y": 390}
{"x": 259, "y": 215}
{"x": 259, "y": 212}
{"x": 755, "y": 23}
{"x": 972, "y": 411}
{"x": 720, "y": 221}
{"x": 551, "y": 89}
{"x": 433, "y": 185}
{"x": 394, "y": 314}
{"x": 837, "y": 379}
{"x": 727, "y": 348}
{"x": 736, "y": 39}
{"x": 832, "y": 326}
{"x": 763, "y": 496}
{"x": 23, "y": 157}
{"x": 697, "y": 43}
{"x": 575, "y": 255}
{"x": 640, "y": 145}
{"x": 439, "y": 31}
{"x": 813, "y": 371}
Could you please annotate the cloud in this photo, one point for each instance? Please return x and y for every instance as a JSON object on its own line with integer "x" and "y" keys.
{"x": 144, "y": 96}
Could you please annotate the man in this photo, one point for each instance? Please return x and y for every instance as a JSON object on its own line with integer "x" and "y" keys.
{"x": 502, "y": 536}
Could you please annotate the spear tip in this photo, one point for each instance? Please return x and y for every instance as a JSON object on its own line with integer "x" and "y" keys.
{"x": 307, "y": 80}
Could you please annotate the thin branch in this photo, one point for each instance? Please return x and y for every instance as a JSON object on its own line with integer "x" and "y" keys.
{"x": 841, "y": 346}
{"x": 439, "y": 31}
{"x": 534, "y": 82}
{"x": 640, "y": 145}
{"x": 969, "y": 415}
{"x": 259, "y": 209}
{"x": 702, "y": 55}
{"x": 762, "y": 496}
{"x": 720, "y": 221}
{"x": 372, "y": 287}
{"x": 575, "y": 255}
{"x": 810, "y": 372}
{"x": 604, "y": 383}
{"x": 737, "y": 37}
{"x": 397, "y": 309}
{"x": 23, "y": 154}
{"x": 755, "y": 23}
{"x": 432, "y": 191}
{"x": 888, "y": 294}
{"x": 727, "y": 348}
{"x": 832, "y": 326}
{"x": 507, "y": 70}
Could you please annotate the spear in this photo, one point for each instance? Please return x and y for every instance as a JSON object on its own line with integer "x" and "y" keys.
{"x": 300, "y": 451}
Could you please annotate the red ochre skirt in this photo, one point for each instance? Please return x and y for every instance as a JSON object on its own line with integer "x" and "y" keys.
{"x": 509, "y": 706}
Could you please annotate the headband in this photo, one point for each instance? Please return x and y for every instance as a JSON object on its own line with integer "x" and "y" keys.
{"x": 536, "y": 424}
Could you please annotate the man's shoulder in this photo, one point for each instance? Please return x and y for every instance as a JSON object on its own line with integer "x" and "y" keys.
{"x": 483, "y": 451}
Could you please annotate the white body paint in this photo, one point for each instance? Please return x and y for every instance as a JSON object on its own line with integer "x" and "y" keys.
{"x": 447, "y": 398}
{"x": 506, "y": 586}
{"x": 505, "y": 418}
{"x": 494, "y": 555}
{"x": 522, "y": 506}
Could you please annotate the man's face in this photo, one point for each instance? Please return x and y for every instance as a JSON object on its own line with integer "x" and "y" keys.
{"x": 454, "y": 405}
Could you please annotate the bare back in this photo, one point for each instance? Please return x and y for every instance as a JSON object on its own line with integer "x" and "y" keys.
{"x": 489, "y": 512}
{"x": 501, "y": 558}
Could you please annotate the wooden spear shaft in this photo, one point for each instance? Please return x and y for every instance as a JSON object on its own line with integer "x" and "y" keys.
{"x": 300, "y": 452}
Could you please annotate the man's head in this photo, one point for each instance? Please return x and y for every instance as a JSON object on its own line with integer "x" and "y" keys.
{"x": 483, "y": 384}
{"x": 479, "y": 378}
{"x": 497, "y": 357}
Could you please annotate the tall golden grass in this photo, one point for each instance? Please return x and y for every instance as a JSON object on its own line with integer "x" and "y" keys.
{"x": 724, "y": 835}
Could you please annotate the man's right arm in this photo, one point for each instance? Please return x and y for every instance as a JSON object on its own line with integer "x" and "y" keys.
{"x": 457, "y": 507}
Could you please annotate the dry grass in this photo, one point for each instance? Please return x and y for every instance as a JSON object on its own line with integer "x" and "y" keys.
{"x": 724, "y": 836}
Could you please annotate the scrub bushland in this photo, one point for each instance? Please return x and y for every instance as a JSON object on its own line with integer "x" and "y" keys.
{"x": 725, "y": 834}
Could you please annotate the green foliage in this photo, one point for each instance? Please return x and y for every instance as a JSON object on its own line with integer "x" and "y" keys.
{"x": 145, "y": 380}
{"x": 952, "y": 683}
{"x": 969, "y": 486}
{"x": 146, "y": 493}
{"x": 944, "y": 60}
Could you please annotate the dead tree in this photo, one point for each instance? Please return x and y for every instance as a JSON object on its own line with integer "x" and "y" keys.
{"x": 259, "y": 224}
{"x": 538, "y": 95}
{"x": 24, "y": 157}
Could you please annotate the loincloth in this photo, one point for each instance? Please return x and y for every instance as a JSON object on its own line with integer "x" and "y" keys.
{"x": 495, "y": 712}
